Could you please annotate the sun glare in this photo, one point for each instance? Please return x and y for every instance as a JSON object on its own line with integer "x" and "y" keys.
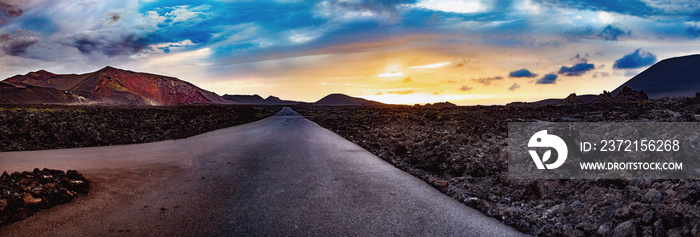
{"x": 391, "y": 74}
{"x": 430, "y": 66}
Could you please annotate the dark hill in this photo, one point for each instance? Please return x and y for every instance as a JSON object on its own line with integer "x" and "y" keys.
{"x": 245, "y": 99}
{"x": 678, "y": 76}
{"x": 257, "y": 100}
{"x": 345, "y": 100}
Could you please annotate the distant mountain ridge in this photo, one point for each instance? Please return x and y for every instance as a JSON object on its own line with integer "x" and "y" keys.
{"x": 335, "y": 99}
{"x": 110, "y": 86}
{"x": 258, "y": 100}
{"x": 113, "y": 86}
{"x": 345, "y": 100}
{"x": 679, "y": 76}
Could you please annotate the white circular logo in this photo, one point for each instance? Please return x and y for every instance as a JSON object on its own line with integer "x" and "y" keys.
{"x": 542, "y": 139}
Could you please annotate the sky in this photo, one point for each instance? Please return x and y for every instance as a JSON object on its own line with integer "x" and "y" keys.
{"x": 403, "y": 52}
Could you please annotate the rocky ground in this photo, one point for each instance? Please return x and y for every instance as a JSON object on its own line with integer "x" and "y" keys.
{"x": 53, "y": 127}
{"x": 23, "y": 194}
{"x": 462, "y": 152}
{"x": 459, "y": 150}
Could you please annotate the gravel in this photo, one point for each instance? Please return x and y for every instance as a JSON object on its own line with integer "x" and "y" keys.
{"x": 23, "y": 194}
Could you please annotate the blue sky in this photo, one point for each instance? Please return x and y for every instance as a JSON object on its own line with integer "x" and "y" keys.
{"x": 393, "y": 51}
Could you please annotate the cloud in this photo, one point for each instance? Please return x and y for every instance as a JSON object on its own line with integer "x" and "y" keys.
{"x": 547, "y": 79}
{"x": 631, "y": 7}
{"x": 358, "y": 8}
{"x": 7, "y": 11}
{"x": 522, "y": 73}
{"x": 107, "y": 42}
{"x": 461, "y": 62}
{"x": 187, "y": 14}
{"x": 16, "y": 44}
{"x": 611, "y": 32}
{"x": 487, "y": 80}
{"x": 577, "y": 69}
{"x": 401, "y": 92}
{"x": 469, "y": 6}
{"x": 466, "y": 88}
{"x": 513, "y": 87}
{"x": 638, "y": 58}
{"x": 693, "y": 31}
{"x": 630, "y": 73}
{"x": 407, "y": 80}
{"x": 600, "y": 74}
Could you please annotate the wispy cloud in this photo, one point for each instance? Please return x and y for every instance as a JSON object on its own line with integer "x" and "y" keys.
{"x": 431, "y": 66}
{"x": 465, "y": 88}
{"x": 487, "y": 80}
{"x": 513, "y": 87}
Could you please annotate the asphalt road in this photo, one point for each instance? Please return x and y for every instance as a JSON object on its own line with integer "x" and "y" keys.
{"x": 280, "y": 176}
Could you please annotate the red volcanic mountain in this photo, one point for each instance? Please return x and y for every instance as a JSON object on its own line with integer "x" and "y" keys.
{"x": 105, "y": 86}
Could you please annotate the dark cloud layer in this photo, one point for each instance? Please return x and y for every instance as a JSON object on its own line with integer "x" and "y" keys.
{"x": 112, "y": 45}
{"x": 376, "y": 6}
{"x": 638, "y": 58}
{"x": 16, "y": 45}
{"x": 7, "y": 11}
{"x": 547, "y": 79}
{"x": 577, "y": 69}
{"x": 522, "y": 73}
{"x": 611, "y": 32}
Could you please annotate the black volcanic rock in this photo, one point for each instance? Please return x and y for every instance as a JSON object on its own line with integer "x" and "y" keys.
{"x": 605, "y": 97}
{"x": 345, "y": 100}
{"x": 572, "y": 99}
{"x": 445, "y": 104}
{"x": 668, "y": 78}
{"x": 25, "y": 193}
{"x": 463, "y": 152}
{"x": 627, "y": 94}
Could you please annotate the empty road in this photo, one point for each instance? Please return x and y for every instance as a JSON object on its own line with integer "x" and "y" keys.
{"x": 280, "y": 176}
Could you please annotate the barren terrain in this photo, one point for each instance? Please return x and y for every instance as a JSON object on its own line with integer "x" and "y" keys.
{"x": 52, "y": 127}
{"x": 458, "y": 150}
{"x": 281, "y": 176}
{"x": 462, "y": 152}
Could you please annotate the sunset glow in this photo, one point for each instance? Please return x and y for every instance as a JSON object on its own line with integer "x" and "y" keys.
{"x": 403, "y": 52}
